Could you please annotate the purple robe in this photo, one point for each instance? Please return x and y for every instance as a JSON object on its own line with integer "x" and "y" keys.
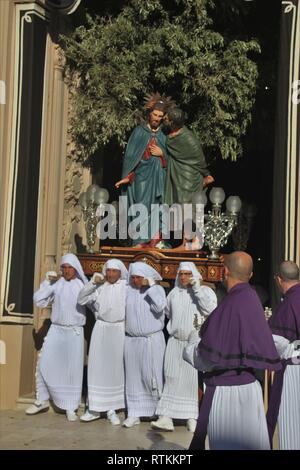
{"x": 236, "y": 334}
{"x": 237, "y": 339}
{"x": 286, "y": 319}
{"x": 284, "y": 322}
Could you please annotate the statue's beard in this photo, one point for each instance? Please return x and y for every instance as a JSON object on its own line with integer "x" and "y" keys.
{"x": 154, "y": 124}
{"x": 167, "y": 128}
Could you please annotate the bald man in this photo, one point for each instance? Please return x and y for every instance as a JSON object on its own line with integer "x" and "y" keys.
{"x": 234, "y": 340}
{"x": 285, "y": 325}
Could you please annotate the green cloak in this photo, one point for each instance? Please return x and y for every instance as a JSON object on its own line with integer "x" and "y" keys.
{"x": 186, "y": 167}
{"x": 149, "y": 182}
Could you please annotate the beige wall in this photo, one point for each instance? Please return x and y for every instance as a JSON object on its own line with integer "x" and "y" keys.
{"x": 61, "y": 182}
{"x": 17, "y": 374}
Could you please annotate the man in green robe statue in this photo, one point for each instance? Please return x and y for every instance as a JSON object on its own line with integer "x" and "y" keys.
{"x": 144, "y": 172}
{"x": 187, "y": 171}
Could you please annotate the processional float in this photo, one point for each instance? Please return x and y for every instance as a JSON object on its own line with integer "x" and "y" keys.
{"x": 216, "y": 227}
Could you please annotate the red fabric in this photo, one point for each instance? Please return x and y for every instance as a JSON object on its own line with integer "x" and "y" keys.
{"x": 163, "y": 161}
{"x": 147, "y": 153}
{"x": 131, "y": 176}
{"x": 156, "y": 239}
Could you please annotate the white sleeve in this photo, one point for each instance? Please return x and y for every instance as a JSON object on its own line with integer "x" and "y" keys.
{"x": 192, "y": 356}
{"x": 168, "y": 306}
{"x": 285, "y": 348}
{"x": 44, "y": 295}
{"x": 206, "y": 297}
{"x": 88, "y": 294}
{"x": 157, "y": 297}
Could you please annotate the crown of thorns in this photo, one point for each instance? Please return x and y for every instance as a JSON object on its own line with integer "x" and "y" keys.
{"x": 158, "y": 101}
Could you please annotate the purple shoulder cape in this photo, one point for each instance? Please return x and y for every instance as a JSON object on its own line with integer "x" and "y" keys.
{"x": 286, "y": 319}
{"x": 237, "y": 334}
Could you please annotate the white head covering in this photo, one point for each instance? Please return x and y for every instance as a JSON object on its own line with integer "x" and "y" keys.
{"x": 187, "y": 266}
{"x": 116, "y": 264}
{"x": 142, "y": 269}
{"x": 73, "y": 261}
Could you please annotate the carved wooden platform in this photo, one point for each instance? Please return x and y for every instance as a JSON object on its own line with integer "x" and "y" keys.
{"x": 164, "y": 261}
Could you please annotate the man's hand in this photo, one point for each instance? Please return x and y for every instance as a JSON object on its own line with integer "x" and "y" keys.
{"x": 148, "y": 282}
{"x": 98, "y": 278}
{"x": 51, "y": 276}
{"x": 156, "y": 151}
{"x": 121, "y": 182}
{"x": 194, "y": 282}
{"x": 208, "y": 180}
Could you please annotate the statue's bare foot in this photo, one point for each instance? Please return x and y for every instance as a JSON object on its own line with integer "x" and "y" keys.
{"x": 179, "y": 248}
{"x": 140, "y": 246}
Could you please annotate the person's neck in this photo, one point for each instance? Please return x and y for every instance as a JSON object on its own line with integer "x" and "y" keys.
{"x": 288, "y": 285}
{"x": 175, "y": 132}
{"x": 151, "y": 128}
{"x": 231, "y": 282}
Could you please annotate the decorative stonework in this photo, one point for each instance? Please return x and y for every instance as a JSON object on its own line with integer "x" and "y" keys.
{"x": 59, "y": 58}
{"x": 72, "y": 214}
{"x": 73, "y": 186}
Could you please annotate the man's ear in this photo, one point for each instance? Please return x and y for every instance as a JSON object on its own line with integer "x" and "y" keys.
{"x": 251, "y": 275}
{"x": 226, "y": 271}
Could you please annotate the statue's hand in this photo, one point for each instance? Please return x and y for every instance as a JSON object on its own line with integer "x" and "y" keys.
{"x": 121, "y": 182}
{"x": 208, "y": 180}
{"x": 156, "y": 151}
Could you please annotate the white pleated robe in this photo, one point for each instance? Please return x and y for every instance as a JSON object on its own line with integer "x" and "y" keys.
{"x": 59, "y": 371}
{"x": 289, "y": 411}
{"x": 144, "y": 349}
{"x": 180, "y": 394}
{"x": 106, "y": 354}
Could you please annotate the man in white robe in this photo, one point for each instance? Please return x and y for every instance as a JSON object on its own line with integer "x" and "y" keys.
{"x": 144, "y": 342}
{"x": 106, "y": 354}
{"x": 189, "y": 304}
{"x": 60, "y": 367}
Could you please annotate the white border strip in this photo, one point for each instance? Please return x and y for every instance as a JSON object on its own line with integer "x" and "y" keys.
{"x": 2, "y": 92}
{"x": 290, "y": 163}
